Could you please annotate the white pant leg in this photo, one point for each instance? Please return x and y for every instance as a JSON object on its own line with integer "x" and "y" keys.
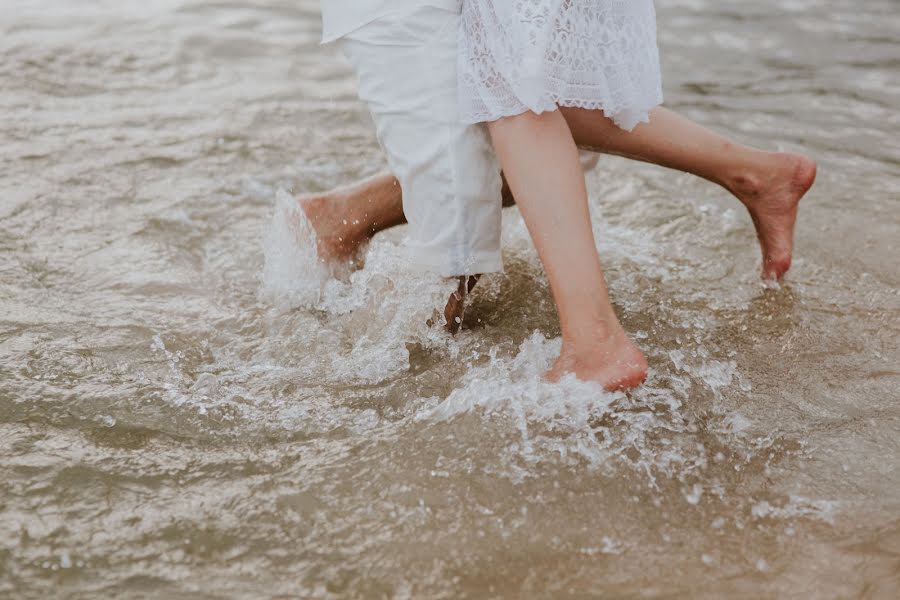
{"x": 406, "y": 64}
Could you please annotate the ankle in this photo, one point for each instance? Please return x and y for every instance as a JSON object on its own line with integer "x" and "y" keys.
{"x": 748, "y": 181}
{"x": 317, "y": 205}
{"x": 333, "y": 209}
{"x": 745, "y": 186}
{"x": 588, "y": 340}
{"x": 754, "y": 180}
{"x": 617, "y": 366}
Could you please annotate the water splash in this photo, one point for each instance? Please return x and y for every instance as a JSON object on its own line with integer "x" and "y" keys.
{"x": 293, "y": 275}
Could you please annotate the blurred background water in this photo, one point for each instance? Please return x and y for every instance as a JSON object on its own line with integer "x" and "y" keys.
{"x": 189, "y": 409}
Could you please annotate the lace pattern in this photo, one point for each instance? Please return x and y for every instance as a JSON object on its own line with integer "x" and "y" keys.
{"x": 520, "y": 55}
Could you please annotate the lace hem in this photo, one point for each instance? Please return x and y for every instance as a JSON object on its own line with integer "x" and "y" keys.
{"x": 626, "y": 119}
{"x": 536, "y": 55}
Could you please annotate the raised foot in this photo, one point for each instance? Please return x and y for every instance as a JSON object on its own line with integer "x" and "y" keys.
{"x": 773, "y": 199}
{"x": 616, "y": 364}
{"x": 337, "y": 239}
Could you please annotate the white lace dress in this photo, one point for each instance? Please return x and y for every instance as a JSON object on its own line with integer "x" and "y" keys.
{"x": 520, "y": 55}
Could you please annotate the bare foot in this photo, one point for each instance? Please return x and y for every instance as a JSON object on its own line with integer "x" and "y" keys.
{"x": 455, "y": 310}
{"x": 773, "y": 198}
{"x": 616, "y": 364}
{"x": 337, "y": 239}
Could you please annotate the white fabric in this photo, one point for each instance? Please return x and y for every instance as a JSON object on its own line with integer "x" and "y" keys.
{"x": 520, "y": 55}
{"x": 340, "y": 17}
{"x": 406, "y": 65}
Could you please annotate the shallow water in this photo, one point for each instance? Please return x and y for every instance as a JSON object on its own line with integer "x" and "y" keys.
{"x": 189, "y": 409}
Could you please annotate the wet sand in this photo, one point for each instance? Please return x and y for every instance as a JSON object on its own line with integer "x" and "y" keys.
{"x": 190, "y": 408}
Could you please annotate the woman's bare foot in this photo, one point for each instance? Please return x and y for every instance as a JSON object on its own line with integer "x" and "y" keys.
{"x": 337, "y": 238}
{"x": 772, "y": 197}
{"x": 615, "y": 363}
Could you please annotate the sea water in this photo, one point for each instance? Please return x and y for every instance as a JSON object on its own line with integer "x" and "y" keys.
{"x": 193, "y": 406}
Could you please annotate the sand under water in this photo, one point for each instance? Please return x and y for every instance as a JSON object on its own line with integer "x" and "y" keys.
{"x": 191, "y": 408}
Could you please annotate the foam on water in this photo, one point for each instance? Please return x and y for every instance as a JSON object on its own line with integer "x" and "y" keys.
{"x": 647, "y": 429}
{"x": 292, "y": 273}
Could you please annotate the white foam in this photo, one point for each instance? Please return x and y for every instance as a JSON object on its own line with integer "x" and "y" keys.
{"x": 796, "y": 506}
{"x": 573, "y": 420}
{"x": 382, "y": 306}
{"x": 293, "y": 275}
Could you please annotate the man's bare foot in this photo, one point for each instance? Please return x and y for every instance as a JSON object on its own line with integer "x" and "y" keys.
{"x": 773, "y": 197}
{"x": 337, "y": 238}
{"x": 616, "y": 363}
{"x": 455, "y": 310}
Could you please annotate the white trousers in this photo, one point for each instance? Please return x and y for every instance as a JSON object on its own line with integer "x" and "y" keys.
{"x": 406, "y": 65}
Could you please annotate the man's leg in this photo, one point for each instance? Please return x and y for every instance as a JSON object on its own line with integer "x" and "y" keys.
{"x": 450, "y": 179}
{"x": 769, "y": 184}
{"x": 345, "y": 219}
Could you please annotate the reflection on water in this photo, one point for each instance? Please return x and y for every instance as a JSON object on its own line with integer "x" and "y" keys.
{"x": 190, "y": 408}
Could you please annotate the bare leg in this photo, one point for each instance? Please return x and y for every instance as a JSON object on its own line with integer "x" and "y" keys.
{"x": 769, "y": 184}
{"x": 346, "y": 218}
{"x": 541, "y": 163}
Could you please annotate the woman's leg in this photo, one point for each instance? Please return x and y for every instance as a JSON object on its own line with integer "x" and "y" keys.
{"x": 769, "y": 184}
{"x": 542, "y": 167}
